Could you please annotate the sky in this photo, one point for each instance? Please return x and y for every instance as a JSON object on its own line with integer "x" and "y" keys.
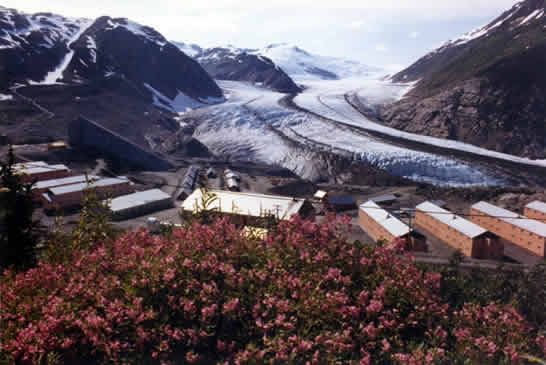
{"x": 386, "y": 33}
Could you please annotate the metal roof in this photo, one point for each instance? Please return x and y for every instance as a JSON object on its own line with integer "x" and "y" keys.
{"x": 392, "y": 224}
{"x": 537, "y": 205}
{"x": 25, "y": 165}
{"x": 38, "y": 169}
{"x": 137, "y": 199}
{"x": 46, "y": 184}
{"x": 251, "y": 204}
{"x": 384, "y": 198}
{"x": 341, "y": 200}
{"x": 517, "y": 220}
{"x": 320, "y": 194}
{"x": 456, "y": 222}
{"x": 84, "y": 185}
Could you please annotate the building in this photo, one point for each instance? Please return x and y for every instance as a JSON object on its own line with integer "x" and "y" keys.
{"x": 42, "y": 186}
{"x": 229, "y": 174}
{"x": 139, "y": 204}
{"x": 248, "y": 209}
{"x": 211, "y": 173}
{"x": 384, "y": 199}
{"x": 381, "y": 225}
{"x": 526, "y": 233}
{"x": 87, "y": 134}
{"x": 340, "y": 203}
{"x": 39, "y": 170}
{"x": 536, "y": 210}
{"x": 320, "y": 195}
{"x": 459, "y": 233}
{"x": 69, "y": 196}
{"x": 190, "y": 181}
{"x": 233, "y": 184}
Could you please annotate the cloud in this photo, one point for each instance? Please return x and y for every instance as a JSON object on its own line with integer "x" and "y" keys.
{"x": 357, "y": 24}
{"x": 413, "y": 35}
{"x": 381, "y": 47}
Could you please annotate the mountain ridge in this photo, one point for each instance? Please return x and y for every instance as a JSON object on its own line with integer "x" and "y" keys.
{"x": 485, "y": 88}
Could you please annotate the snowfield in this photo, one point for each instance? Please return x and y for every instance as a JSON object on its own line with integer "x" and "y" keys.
{"x": 252, "y": 125}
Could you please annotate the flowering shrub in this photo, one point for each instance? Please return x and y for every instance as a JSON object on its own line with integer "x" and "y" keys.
{"x": 207, "y": 294}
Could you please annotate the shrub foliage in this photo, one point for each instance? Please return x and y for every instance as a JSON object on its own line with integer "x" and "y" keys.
{"x": 206, "y": 294}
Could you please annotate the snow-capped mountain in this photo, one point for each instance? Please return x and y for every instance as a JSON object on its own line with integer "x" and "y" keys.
{"x": 33, "y": 44}
{"x": 237, "y": 64}
{"x": 190, "y": 49}
{"x": 303, "y": 65}
{"x": 142, "y": 55}
{"x": 524, "y": 17}
{"x": 121, "y": 74}
{"x": 46, "y": 49}
{"x": 487, "y": 87}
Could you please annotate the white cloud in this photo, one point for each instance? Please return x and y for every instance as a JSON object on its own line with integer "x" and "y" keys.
{"x": 357, "y": 24}
{"x": 413, "y": 35}
{"x": 381, "y": 47}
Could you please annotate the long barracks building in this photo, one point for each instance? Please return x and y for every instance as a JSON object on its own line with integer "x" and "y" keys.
{"x": 381, "y": 225}
{"x": 536, "y": 210}
{"x": 526, "y": 233}
{"x": 459, "y": 233}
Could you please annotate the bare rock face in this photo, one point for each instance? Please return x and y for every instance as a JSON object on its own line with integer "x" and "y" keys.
{"x": 487, "y": 88}
{"x": 31, "y": 45}
{"x": 141, "y": 55}
{"x": 239, "y": 65}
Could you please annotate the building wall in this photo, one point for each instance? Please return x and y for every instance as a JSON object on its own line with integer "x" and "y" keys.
{"x": 46, "y": 175}
{"x": 76, "y": 198}
{"x": 520, "y": 237}
{"x": 141, "y": 210}
{"x": 535, "y": 214}
{"x": 446, "y": 234}
{"x": 87, "y": 134}
{"x": 372, "y": 228}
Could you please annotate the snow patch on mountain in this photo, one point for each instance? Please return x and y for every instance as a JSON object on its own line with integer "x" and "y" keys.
{"x": 53, "y": 76}
{"x": 145, "y": 32}
{"x": 191, "y": 50}
{"x": 16, "y": 27}
{"x": 303, "y": 65}
{"x": 182, "y": 103}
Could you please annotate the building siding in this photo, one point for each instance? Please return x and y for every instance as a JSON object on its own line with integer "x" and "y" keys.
{"x": 480, "y": 247}
{"x": 534, "y": 214}
{"x": 525, "y": 239}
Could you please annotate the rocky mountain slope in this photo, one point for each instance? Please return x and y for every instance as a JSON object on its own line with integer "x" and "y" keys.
{"x": 48, "y": 48}
{"x": 487, "y": 88}
{"x": 236, "y": 64}
{"x": 124, "y": 75}
{"x": 31, "y": 45}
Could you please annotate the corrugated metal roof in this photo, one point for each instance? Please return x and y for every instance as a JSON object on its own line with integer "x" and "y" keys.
{"x": 320, "y": 194}
{"x": 25, "y": 165}
{"x": 462, "y": 225}
{"x": 515, "y": 219}
{"x": 46, "y": 184}
{"x": 255, "y": 205}
{"x": 82, "y": 186}
{"x": 384, "y": 198}
{"x": 537, "y": 205}
{"x": 38, "y": 169}
{"x": 137, "y": 199}
{"x": 392, "y": 224}
{"x": 341, "y": 200}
